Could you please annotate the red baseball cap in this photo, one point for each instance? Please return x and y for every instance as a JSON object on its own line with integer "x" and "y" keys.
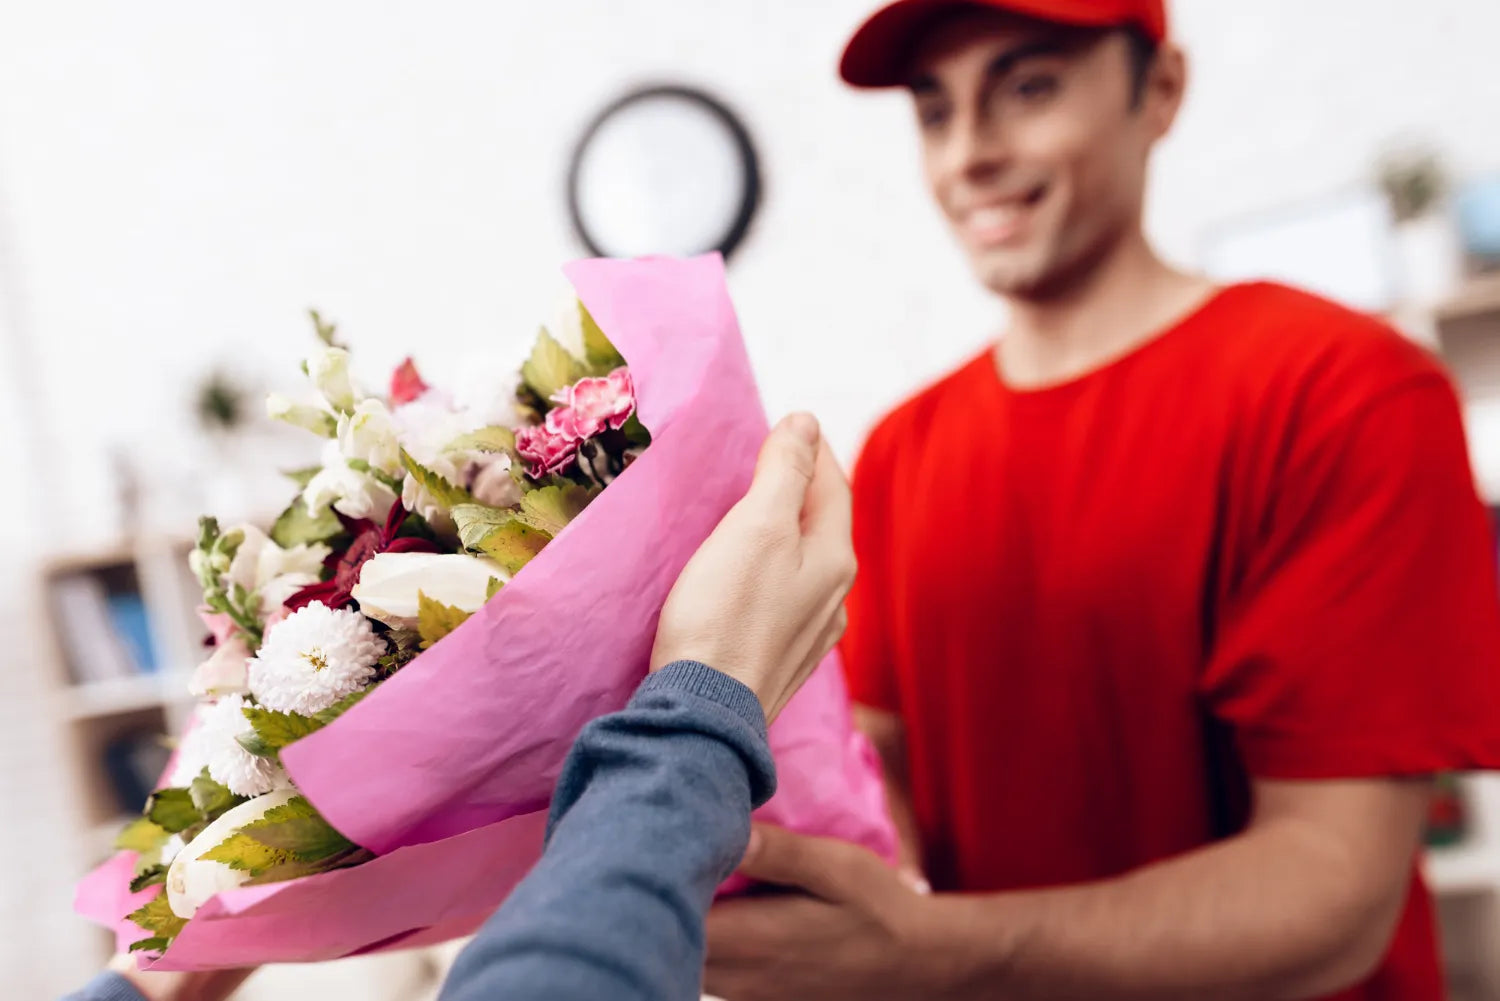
{"x": 878, "y": 53}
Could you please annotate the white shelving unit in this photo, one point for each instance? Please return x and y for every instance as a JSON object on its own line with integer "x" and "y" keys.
{"x": 1465, "y": 877}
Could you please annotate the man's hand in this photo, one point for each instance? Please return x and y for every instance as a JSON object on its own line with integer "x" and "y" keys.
{"x": 856, "y": 930}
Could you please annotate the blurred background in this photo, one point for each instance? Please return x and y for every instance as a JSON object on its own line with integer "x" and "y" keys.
{"x": 180, "y": 182}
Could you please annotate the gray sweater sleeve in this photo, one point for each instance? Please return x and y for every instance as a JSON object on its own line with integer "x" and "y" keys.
{"x": 651, "y": 813}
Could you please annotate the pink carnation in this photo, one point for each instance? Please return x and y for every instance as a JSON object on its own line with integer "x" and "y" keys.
{"x": 545, "y": 451}
{"x": 589, "y": 406}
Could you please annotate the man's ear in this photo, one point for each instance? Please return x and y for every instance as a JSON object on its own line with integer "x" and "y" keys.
{"x": 1166, "y": 83}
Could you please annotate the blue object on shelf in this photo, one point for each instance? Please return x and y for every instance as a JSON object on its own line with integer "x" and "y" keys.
{"x": 1479, "y": 218}
{"x": 127, "y": 612}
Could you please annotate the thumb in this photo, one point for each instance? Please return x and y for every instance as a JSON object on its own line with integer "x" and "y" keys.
{"x": 788, "y": 460}
{"x": 820, "y": 866}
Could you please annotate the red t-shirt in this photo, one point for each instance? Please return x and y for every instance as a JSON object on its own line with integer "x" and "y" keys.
{"x": 1251, "y": 547}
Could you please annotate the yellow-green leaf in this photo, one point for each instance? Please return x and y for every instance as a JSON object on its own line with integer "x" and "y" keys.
{"x": 500, "y": 535}
{"x": 490, "y": 439}
{"x": 551, "y": 367}
{"x": 551, "y": 508}
{"x": 493, "y": 588}
{"x": 141, "y": 836}
{"x": 157, "y": 916}
{"x": 601, "y": 355}
{"x": 436, "y": 620}
{"x": 445, "y": 493}
{"x": 172, "y": 810}
{"x": 276, "y": 730}
{"x": 291, "y": 833}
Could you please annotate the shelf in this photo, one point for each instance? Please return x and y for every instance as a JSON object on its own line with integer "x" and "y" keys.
{"x": 1480, "y": 297}
{"x": 127, "y": 695}
{"x": 1461, "y": 869}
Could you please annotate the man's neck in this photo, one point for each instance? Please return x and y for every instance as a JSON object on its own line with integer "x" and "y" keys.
{"x": 1127, "y": 299}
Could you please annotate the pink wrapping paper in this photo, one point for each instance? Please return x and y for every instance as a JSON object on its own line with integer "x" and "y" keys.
{"x": 444, "y": 770}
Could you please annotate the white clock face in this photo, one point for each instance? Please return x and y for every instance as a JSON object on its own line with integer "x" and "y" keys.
{"x": 662, "y": 173}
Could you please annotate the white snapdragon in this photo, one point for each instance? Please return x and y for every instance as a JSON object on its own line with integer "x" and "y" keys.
{"x": 329, "y": 371}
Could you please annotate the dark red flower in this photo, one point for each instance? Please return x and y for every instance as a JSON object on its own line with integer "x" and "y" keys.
{"x": 367, "y": 539}
{"x": 406, "y": 383}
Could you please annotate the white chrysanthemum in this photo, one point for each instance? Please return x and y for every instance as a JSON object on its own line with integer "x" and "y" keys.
{"x": 229, "y": 764}
{"x": 192, "y": 751}
{"x": 313, "y": 658}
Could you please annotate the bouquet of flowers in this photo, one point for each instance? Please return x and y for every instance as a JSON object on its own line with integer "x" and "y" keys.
{"x": 401, "y": 662}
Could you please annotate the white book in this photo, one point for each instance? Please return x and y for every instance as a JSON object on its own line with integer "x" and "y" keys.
{"x": 94, "y": 650}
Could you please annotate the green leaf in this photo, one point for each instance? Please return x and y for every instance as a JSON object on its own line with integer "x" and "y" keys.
{"x": 172, "y": 810}
{"x": 550, "y": 367}
{"x": 297, "y": 527}
{"x": 635, "y": 432}
{"x": 155, "y": 943}
{"x": 211, "y": 798}
{"x": 152, "y": 876}
{"x": 493, "y": 588}
{"x": 156, "y": 916}
{"x": 436, "y": 620}
{"x": 277, "y": 729}
{"x": 445, "y": 493}
{"x": 141, "y": 836}
{"x": 499, "y": 534}
{"x": 490, "y": 439}
{"x": 302, "y": 477}
{"x": 602, "y": 356}
{"x": 340, "y": 707}
{"x": 405, "y": 645}
{"x": 325, "y": 331}
{"x": 551, "y": 508}
{"x": 291, "y": 833}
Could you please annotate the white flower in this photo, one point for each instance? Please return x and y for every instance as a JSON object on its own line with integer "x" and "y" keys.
{"x": 313, "y": 658}
{"x": 229, "y": 764}
{"x": 262, "y": 567}
{"x": 352, "y": 493}
{"x": 191, "y": 880}
{"x": 389, "y": 582}
{"x": 368, "y": 435}
{"x": 301, "y": 415}
{"x": 329, "y": 371}
{"x": 567, "y": 325}
{"x": 192, "y": 752}
{"x": 225, "y": 672}
{"x": 493, "y": 484}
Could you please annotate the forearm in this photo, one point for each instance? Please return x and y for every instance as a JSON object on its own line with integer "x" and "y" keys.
{"x": 886, "y": 734}
{"x": 652, "y": 812}
{"x": 1273, "y": 914}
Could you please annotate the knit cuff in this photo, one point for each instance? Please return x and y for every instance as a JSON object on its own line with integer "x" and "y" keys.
{"x": 703, "y": 681}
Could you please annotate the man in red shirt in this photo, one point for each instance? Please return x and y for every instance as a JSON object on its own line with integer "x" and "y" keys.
{"x": 1169, "y": 602}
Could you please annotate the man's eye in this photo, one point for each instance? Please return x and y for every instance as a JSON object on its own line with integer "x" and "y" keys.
{"x": 1035, "y": 87}
{"x": 933, "y": 116}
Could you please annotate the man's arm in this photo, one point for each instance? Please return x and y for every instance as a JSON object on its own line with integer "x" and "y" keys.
{"x": 1301, "y": 904}
{"x": 887, "y": 734}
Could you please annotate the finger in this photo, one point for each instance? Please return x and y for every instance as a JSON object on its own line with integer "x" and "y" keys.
{"x": 788, "y": 461}
{"x": 827, "y": 515}
{"x": 820, "y": 866}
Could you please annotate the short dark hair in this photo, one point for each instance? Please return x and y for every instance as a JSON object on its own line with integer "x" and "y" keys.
{"x": 1143, "y": 49}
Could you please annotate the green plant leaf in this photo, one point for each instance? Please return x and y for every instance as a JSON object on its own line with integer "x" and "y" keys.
{"x": 498, "y": 534}
{"x": 551, "y": 367}
{"x": 490, "y": 439}
{"x": 152, "y": 876}
{"x": 172, "y": 810}
{"x": 157, "y": 916}
{"x": 551, "y": 508}
{"x": 277, "y": 729}
{"x": 443, "y": 492}
{"x": 296, "y": 527}
{"x": 302, "y": 477}
{"x": 493, "y": 588}
{"x": 635, "y": 432}
{"x": 602, "y": 356}
{"x": 210, "y": 798}
{"x": 436, "y": 620}
{"x": 141, "y": 836}
{"x": 340, "y": 707}
{"x": 155, "y": 943}
{"x": 291, "y": 833}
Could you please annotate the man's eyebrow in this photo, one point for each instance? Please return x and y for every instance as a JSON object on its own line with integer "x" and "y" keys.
{"x": 926, "y": 84}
